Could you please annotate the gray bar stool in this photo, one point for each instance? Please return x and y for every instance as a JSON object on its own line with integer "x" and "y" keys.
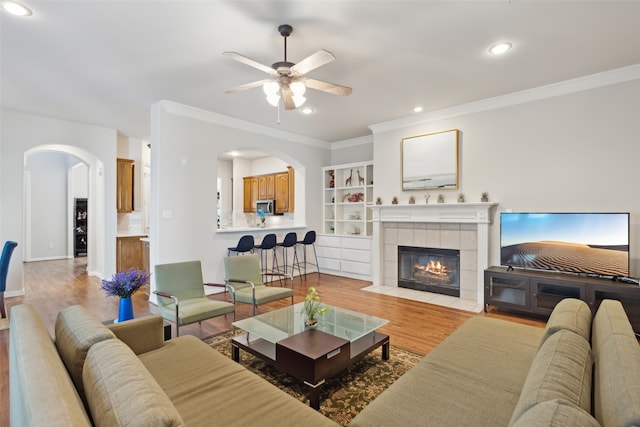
{"x": 309, "y": 239}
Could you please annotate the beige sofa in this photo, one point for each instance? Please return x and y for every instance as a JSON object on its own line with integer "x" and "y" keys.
{"x": 127, "y": 375}
{"x": 575, "y": 372}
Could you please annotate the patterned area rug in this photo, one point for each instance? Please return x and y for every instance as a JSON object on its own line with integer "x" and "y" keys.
{"x": 343, "y": 396}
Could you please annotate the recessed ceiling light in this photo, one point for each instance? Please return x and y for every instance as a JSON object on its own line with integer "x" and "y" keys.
{"x": 307, "y": 110}
{"x": 235, "y": 153}
{"x": 15, "y": 8}
{"x": 500, "y": 48}
{"x": 417, "y": 109}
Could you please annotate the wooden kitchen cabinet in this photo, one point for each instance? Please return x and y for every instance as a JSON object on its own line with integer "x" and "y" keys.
{"x": 124, "y": 185}
{"x": 246, "y": 185}
{"x": 282, "y": 192}
{"x": 129, "y": 253}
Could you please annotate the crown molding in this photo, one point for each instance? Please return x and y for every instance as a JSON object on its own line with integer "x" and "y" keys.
{"x": 220, "y": 119}
{"x": 579, "y": 84}
{"x": 353, "y": 142}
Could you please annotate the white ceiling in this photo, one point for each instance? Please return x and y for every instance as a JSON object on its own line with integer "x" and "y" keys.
{"x": 107, "y": 62}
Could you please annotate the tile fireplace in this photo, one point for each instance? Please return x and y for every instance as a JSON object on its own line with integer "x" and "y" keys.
{"x": 429, "y": 269}
{"x": 461, "y": 227}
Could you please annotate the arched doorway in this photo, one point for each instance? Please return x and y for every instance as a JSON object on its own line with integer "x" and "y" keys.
{"x": 95, "y": 191}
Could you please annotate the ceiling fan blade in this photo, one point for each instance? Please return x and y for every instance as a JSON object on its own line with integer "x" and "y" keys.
{"x": 247, "y": 86}
{"x": 312, "y": 62}
{"x": 287, "y": 98}
{"x": 332, "y": 88}
{"x": 250, "y": 62}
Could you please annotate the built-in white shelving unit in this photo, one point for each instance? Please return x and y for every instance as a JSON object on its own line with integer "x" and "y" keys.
{"x": 347, "y": 191}
{"x": 344, "y": 246}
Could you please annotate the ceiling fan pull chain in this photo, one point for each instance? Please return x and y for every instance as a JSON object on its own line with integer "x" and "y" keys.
{"x": 278, "y": 121}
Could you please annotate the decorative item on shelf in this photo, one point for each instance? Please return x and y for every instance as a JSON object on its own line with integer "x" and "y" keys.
{"x": 485, "y": 197}
{"x": 345, "y": 196}
{"x": 332, "y": 182}
{"x": 263, "y": 218}
{"x": 394, "y": 201}
{"x": 426, "y": 198}
{"x": 360, "y": 179}
{"x": 440, "y": 198}
{"x": 313, "y": 308}
{"x": 332, "y": 229}
{"x": 412, "y": 200}
{"x": 347, "y": 182}
{"x": 460, "y": 198}
{"x": 379, "y": 201}
{"x": 356, "y": 197}
{"x": 333, "y": 200}
{"x": 124, "y": 284}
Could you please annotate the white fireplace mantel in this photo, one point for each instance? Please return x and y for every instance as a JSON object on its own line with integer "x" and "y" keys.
{"x": 467, "y": 213}
{"x": 480, "y": 214}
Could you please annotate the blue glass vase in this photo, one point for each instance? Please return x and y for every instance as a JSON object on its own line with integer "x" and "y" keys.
{"x": 125, "y": 311}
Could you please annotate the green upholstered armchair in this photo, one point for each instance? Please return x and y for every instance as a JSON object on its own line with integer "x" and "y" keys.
{"x": 182, "y": 299}
{"x": 243, "y": 278}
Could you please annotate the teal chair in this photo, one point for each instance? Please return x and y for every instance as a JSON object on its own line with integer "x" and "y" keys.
{"x": 243, "y": 278}
{"x": 182, "y": 299}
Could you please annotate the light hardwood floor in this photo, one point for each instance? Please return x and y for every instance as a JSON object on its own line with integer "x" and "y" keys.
{"x": 53, "y": 285}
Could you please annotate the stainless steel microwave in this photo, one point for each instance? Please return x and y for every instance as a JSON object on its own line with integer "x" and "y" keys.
{"x": 267, "y": 206}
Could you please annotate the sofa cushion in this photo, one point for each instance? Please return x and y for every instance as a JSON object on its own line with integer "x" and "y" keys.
{"x": 121, "y": 392}
{"x": 473, "y": 377}
{"x": 617, "y": 367}
{"x": 562, "y": 369}
{"x": 572, "y": 314}
{"x": 76, "y": 331}
{"x": 42, "y": 393}
{"x": 556, "y": 413}
{"x": 209, "y": 388}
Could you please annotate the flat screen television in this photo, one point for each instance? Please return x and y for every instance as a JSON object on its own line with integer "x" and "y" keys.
{"x": 584, "y": 243}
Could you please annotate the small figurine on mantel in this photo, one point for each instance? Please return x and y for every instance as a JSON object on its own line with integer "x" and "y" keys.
{"x": 412, "y": 200}
{"x": 485, "y": 197}
{"x": 440, "y": 198}
{"x": 379, "y": 201}
{"x": 394, "y": 201}
{"x": 426, "y": 198}
{"x": 460, "y": 198}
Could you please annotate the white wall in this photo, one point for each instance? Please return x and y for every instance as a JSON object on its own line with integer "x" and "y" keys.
{"x": 186, "y": 142}
{"x": 571, "y": 152}
{"x": 267, "y": 165}
{"x": 24, "y": 132}
{"x": 48, "y": 205}
{"x": 352, "y": 150}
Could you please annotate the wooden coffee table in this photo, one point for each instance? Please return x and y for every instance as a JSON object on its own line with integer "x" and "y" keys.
{"x": 280, "y": 339}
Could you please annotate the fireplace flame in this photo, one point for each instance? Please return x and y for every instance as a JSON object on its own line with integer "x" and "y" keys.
{"x": 433, "y": 267}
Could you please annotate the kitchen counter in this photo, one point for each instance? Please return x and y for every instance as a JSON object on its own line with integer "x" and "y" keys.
{"x": 258, "y": 229}
{"x": 131, "y": 234}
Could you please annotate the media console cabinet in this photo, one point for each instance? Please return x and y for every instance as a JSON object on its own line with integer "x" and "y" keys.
{"x": 538, "y": 292}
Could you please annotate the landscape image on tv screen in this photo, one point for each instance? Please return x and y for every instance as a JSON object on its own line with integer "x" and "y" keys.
{"x": 589, "y": 243}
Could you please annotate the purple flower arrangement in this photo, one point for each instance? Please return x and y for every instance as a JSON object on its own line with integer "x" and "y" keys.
{"x": 125, "y": 283}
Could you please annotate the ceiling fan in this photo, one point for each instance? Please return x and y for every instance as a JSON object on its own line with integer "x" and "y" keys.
{"x": 287, "y": 79}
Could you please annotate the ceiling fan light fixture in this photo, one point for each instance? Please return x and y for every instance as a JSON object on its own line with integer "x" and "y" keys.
{"x": 298, "y": 100}
{"x": 298, "y": 88}
{"x": 271, "y": 87}
{"x": 273, "y": 99}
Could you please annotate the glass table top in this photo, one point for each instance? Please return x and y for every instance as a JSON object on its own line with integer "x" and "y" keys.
{"x": 282, "y": 323}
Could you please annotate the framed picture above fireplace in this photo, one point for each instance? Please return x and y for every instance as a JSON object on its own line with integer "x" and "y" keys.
{"x": 430, "y": 161}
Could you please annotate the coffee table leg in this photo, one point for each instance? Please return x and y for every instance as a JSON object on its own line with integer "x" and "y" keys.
{"x": 235, "y": 353}
{"x": 314, "y": 394}
{"x": 385, "y": 351}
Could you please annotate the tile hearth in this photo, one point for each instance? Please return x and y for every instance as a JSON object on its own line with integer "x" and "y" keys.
{"x": 428, "y": 297}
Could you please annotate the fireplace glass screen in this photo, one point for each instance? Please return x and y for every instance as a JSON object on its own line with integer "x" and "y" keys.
{"x": 429, "y": 269}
